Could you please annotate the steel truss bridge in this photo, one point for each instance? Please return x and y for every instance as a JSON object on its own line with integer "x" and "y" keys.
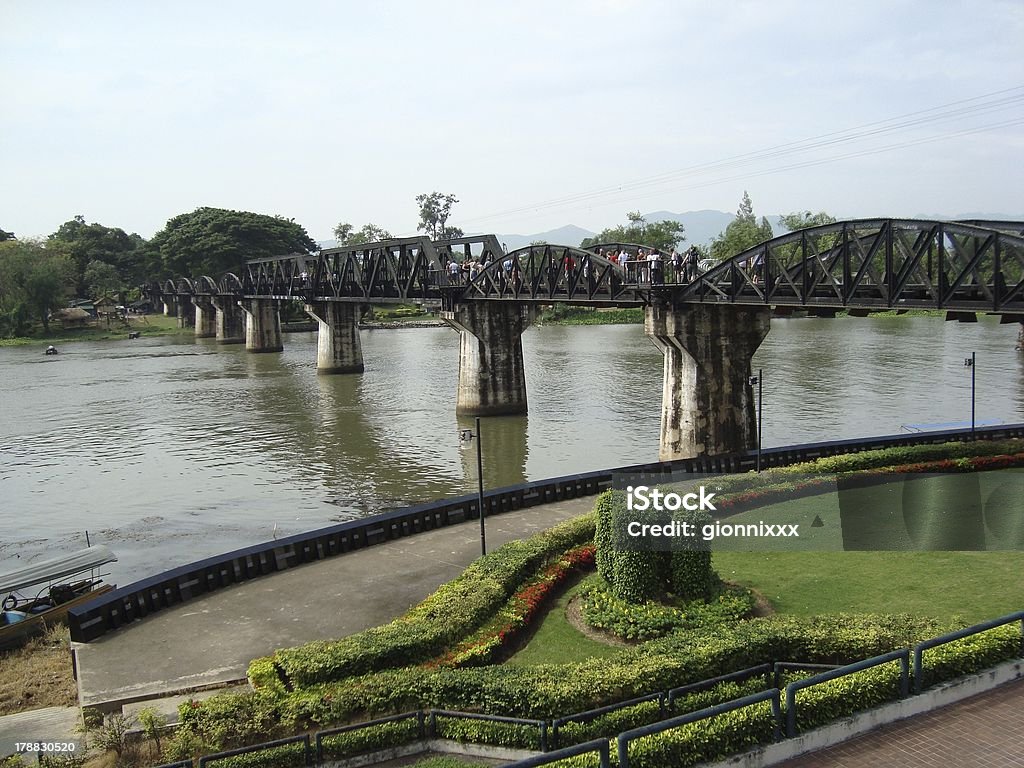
{"x": 866, "y": 264}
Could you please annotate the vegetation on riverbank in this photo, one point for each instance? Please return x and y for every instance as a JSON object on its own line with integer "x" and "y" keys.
{"x": 146, "y": 325}
{"x": 562, "y": 314}
{"x": 38, "y": 674}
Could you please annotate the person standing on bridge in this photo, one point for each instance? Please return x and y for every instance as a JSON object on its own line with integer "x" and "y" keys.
{"x": 453, "y": 271}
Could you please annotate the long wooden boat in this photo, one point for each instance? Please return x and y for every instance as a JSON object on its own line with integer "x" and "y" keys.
{"x": 38, "y": 596}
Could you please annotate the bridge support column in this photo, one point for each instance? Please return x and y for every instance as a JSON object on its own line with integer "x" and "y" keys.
{"x": 186, "y": 313}
{"x": 229, "y": 320}
{"x": 1020, "y": 338}
{"x": 707, "y": 402}
{"x": 169, "y": 307}
{"x": 338, "y": 349}
{"x": 206, "y": 318}
{"x": 492, "y": 381}
{"x": 262, "y": 325}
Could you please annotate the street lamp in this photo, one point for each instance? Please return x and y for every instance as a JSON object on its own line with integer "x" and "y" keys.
{"x": 758, "y": 380}
{"x": 969, "y": 363}
{"x": 465, "y": 435}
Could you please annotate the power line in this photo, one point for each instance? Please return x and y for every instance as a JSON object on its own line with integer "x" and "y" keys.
{"x": 954, "y": 110}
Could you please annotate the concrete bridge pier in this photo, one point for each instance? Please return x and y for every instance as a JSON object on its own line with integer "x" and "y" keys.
{"x": 229, "y": 320}
{"x": 338, "y": 349}
{"x": 170, "y": 306}
{"x": 1020, "y": 337}
{"x": 206, "y": 318}
{"x": 707, "y": 402}
{"x": 492, "y": 381}
{"x": 186, "y": 312}
{"x": 262, "y": 325}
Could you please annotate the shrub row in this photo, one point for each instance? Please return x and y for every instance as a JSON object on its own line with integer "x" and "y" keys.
{"x": 545, "y": 692}
{"x": 548, "y": 691}
{"x": 439, "y": 622}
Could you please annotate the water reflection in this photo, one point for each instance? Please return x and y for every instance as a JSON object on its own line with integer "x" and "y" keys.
{"x": 170, "y": 449}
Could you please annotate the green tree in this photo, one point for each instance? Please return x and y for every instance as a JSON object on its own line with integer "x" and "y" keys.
{"x": 34, "y": 280}
{"x": 346, "y": 234}
{"x": 211, "y": 241}
{"x": 662, "y": 235}
{"x": 742, "y": 233}
{"x": 435, "y": 210}
{"x": 102, "y": 278}
{"x": 86, "y": 243}
{"x": 805, "y": 220}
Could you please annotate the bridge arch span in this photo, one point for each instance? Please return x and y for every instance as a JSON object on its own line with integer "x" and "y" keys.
{"x": 546, "y": 273}
{"x": 230, "y": 283}
{"x": 874, "y": 264}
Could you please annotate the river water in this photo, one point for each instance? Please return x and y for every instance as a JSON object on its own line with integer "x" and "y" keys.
{"x": 171, "y": 449}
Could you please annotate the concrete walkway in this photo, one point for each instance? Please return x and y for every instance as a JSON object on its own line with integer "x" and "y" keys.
{"x": 979, "y": 732}
{"x": 209, "y": 642}
{"x": 49, "y": 724}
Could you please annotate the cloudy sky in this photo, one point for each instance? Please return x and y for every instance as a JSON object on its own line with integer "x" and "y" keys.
{"x": 535, "y": 114}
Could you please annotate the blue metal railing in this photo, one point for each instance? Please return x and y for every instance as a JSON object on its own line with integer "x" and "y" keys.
{"x": 541, "y": 725}
{"x": 902, "y": 655}
{"x": 950, "y": 637}
{"x": 733, "y": 677}
{"x": 321, "y": 735}
{"x": 773, "y": 696}
{"x": 600, "y": 746}
{"x": 307, "y": 752}
{"x": 592, "y": 714}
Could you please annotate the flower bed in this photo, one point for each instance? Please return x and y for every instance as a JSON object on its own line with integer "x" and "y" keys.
{"x": 502, "y": 632}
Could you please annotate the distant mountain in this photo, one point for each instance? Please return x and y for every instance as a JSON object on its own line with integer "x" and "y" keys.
{"x": 570, "y": 234}
{"x": 701, "y": 226}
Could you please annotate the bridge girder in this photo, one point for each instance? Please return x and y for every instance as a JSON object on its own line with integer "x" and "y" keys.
{"x": 871, "y": 264}
{"x": 546, "y": 274}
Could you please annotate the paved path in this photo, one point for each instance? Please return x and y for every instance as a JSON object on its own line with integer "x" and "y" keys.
{"x": 209, "y": 642}
{"x": 982, "y": 731}
{"x": 49, "y": 724}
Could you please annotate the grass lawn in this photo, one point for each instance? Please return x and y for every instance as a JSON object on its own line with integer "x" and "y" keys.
{"x": 556, "y": 641}
{"x": 973, "y": 586}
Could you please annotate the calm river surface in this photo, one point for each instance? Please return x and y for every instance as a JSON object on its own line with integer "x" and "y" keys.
{"x": 172, "y": 449}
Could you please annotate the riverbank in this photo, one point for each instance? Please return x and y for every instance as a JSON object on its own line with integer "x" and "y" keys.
{"x": 145, "y": 325}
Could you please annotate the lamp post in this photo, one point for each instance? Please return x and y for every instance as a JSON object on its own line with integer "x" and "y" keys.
{"x": 466, "y": 435}
{"x": 758, "y": 380}
{"x": 969, "y": 362}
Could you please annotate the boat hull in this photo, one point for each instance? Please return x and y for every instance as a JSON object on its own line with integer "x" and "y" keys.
{"x": 13, "y": 635}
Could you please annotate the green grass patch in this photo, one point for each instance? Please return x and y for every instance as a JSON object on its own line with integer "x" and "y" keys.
{"x": 147, "y": 325}
{"x": 561, "y": 314}
{"x": 556, "y": 641}
{"x": 971, "y": 586}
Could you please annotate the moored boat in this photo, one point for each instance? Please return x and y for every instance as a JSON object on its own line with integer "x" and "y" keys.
{"x": 37, "y": 596}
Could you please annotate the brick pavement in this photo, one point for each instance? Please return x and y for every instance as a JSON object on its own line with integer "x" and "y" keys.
{"x": 982, "y": 731}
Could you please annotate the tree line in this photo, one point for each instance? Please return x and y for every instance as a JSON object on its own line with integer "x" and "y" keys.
{"x": 92, "y": 260}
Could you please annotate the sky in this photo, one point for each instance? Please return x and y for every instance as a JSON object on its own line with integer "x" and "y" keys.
{"x": 534, "y": 114}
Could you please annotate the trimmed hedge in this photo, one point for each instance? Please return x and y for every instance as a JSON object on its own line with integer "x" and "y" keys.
{"x": 631, "y": 621}
{"x": 370, "y": 738}
{"x": 549, "y": 691}
{"x": 446, "y": 617}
